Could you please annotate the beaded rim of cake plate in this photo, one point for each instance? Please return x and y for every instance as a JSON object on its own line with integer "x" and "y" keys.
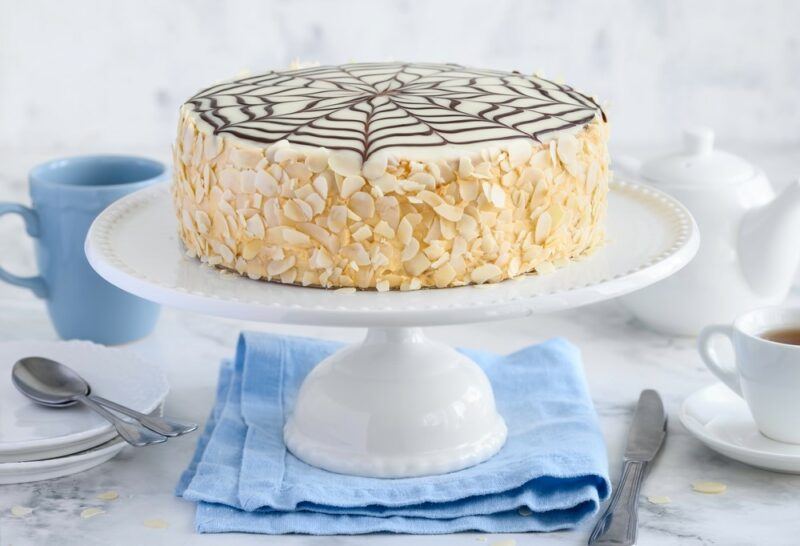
{"x": 681, "y": 247}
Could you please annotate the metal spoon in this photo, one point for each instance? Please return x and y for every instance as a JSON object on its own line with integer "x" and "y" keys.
{"x": 53, "y": 384}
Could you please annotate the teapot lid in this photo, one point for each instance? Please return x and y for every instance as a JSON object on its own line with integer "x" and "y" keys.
{"x": 698, "y": 163}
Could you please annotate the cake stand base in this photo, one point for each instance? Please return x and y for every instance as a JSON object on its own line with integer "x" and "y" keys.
{"x": 395, "y": 405}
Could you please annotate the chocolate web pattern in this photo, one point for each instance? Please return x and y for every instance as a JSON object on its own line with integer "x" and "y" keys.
{"x": 368, "y": 107}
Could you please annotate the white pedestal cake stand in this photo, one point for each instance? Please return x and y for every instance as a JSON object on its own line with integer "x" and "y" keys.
{"x": 396, "y": 404}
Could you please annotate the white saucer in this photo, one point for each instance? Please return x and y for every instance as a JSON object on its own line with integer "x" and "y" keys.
{"x": 29, "y": 432}
{"x": 34, "y": 471}
{"x": 722, "y": 421}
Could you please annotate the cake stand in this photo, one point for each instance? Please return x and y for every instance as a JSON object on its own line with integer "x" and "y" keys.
{"x": 396, "y": 404}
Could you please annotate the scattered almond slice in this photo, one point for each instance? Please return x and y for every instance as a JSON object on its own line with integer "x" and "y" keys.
{"x": 108, "y": 496}
{"x": 91, "y": 512}
{"x": 658, "y": 499}
{"x": 524, "y": 511}
{"x": 345, "y": 290}
{"x": 480, "y": 539}
{"x": 505, "y": 542}
{"x": 709, "y": 488}
{"x": 21, "y": 511}
{"x": 155, "y": 523}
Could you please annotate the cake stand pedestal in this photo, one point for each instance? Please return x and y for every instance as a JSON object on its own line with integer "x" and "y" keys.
{"x": 396, "y": 404}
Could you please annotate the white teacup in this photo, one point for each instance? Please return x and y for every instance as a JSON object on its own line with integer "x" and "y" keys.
{"x": 766, "y": 373}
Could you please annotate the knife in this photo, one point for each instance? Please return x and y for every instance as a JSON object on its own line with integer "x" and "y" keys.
{"x": 618, "y": 524}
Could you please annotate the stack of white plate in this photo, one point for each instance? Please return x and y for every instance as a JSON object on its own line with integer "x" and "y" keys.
{"x": 39, "y": 443}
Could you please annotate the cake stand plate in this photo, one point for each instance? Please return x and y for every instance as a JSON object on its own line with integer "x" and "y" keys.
{"x": 397, "y": 404}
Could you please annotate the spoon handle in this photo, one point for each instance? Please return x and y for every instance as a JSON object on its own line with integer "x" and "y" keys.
{"x": 165, "y": 426}
{"x": 134, "y": 434}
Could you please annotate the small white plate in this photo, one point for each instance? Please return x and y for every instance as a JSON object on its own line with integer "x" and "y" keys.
{"x": 30, "y": 432}
{"x": 34, "y": 471}
{"x": 722, "y": 421}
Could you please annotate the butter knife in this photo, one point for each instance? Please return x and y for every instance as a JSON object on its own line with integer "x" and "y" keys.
{"x": 618, "y": 524}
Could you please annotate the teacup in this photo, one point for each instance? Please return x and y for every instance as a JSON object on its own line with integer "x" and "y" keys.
{"x": 765, "y": 373}
{"x": 67, "y": 195}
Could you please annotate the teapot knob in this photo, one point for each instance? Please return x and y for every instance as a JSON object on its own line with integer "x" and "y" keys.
{"x": 698, "y": 140}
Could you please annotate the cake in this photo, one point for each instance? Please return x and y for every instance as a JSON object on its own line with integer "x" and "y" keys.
{"x": 390, "y": 175}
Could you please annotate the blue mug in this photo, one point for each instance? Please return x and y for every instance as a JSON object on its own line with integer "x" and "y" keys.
{"x": 67, "y": 195}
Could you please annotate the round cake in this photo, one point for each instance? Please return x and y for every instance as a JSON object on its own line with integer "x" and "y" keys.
{"x": 390, "y": 175}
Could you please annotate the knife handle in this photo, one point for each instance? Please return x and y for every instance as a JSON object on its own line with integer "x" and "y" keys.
{"x": 617, "y": 526}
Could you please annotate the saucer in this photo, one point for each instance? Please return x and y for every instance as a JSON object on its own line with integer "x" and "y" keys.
{"x": 34, "y": 471}
{"x": 30, "y": 432}
{"x": 722, "y": 421}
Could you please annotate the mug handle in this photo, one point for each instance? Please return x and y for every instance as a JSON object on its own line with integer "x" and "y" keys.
{"x": 726, "y": 373}
{"x": 35, "y": 284}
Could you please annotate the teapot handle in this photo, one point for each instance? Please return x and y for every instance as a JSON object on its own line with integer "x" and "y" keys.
{"x": 627, "y": 165}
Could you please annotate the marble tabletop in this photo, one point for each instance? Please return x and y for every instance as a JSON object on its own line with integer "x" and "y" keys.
{"x": 621, "y": 358}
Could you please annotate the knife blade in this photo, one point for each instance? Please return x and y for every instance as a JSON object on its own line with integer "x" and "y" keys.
{"x": 618, "y": 524}
{"x": 648, "y": 429}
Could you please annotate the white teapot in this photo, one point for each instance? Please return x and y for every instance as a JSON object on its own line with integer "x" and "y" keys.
{"x": 749, "y": 238}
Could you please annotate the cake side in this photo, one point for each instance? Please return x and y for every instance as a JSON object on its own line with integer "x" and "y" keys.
{"x": 279, "y": 214}
{"x": 465, "y": 210}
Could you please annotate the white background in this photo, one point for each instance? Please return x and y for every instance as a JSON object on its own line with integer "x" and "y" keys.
{"x": 91, "y": 75}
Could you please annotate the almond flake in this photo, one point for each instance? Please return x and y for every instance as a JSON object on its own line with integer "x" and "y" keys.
{"x": 155, "y": 523}
{"x": 298, "y": 210}
{"x": 375, "y": 166}
{"x": 350, "y": 185}
{"x": 251, "y": 249}
{"x": 320, "y": 184}
{"x": 485, "y": 273}
{"x": 543, "y": 226}
{"x": 404, "y": 231}
{"x": 567, "y": 148}
{"x": 21, "y": 511}
{"x": 345, "y": 290}
{"x": 417, "y": 265}
{"x": 468, "y": 190}
{"x": 256, "y": 226}
{"x": 465, "y": 168}
{"x": 294, "y": 237}
{"x": 87, "y": 513}
{"x": 277, "y": 267}
{"x": 317, "y": 160}
{"x": 345, "y": 163}
{"x": 362, "y": 233}
{"x": 430, "y": 198}
{"x": 362, "y": 204}
{"x": 449, "y": 212}
{"x": 658, "y": 499}
{"x": 519, "y": 152}
{"x": 337, "y": 218}
{"x": 384, "y": 230}
{"x": 709, "y": 488}
{"x": 108, "y": 495}
{"x": 411, "y": 249}
{"x": 498, "y": 196}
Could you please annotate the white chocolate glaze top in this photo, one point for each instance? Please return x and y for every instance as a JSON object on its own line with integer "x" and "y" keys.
{"x": 415, "y": 111}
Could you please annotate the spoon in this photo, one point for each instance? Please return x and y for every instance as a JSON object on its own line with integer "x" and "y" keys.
{"x": 53, "y": 384}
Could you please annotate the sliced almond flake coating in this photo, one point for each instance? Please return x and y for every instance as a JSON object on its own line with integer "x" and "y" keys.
{"x": 155, "y": 523}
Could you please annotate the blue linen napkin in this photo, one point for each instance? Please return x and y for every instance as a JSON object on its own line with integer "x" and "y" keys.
{"x": 551, "y": 474}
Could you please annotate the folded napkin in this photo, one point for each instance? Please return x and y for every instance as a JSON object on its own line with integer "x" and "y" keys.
{"x": 551, "y": 474}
